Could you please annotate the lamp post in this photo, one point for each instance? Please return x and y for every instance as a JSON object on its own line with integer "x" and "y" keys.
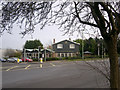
{"x": 45, "y": 55}
{"x": 102, "y": 50}
{"x": 24, "y": 54}
{"x": 82, "y": 46}
{"x": 98, "y": 49}
{"x": 39, "y": 49}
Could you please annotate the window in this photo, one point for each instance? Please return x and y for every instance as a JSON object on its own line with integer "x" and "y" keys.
{"x": 60, "y": 46}
{"x": 62, "y": 54}
{"x": 58, "y": 54}
{"x": 72, "y": 46}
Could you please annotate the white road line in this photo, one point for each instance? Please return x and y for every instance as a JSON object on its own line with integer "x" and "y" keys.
{"x": 41, "y": 65}
{"x": 11, "y": 68}
{"x": 27, "y": 67}
{"x": 52, "y": 64}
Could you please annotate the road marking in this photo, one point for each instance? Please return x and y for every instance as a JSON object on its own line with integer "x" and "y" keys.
{"x": 11, "y": 68}
{"x": 52, "y": 64}
{"x": 27, "y": 67}
{"x": 41, "y": 65}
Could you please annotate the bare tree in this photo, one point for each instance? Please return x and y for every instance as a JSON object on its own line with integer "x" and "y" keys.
{"x": 71, "y": 17}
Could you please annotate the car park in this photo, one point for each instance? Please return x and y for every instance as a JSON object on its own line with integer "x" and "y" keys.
{"x": 2, "y": 60}
{"x": 27, "y": 60}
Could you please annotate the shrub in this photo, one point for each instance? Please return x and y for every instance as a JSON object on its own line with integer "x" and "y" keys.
{"x": 52, "y": 58}
{"x": 34, "y": 59}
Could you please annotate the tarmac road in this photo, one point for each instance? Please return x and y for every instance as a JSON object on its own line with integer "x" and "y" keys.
{"x": 54, "y": 74}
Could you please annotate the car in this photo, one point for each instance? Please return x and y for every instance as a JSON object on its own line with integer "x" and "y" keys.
{"x": 13, "y": 59}
{"x": 2, "y": 60}
{"x": 27, "y": 60}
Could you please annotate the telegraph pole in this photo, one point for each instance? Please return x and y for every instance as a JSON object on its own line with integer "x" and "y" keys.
{"x": 82, "y": 46}
{"x": 98, "y": 49}
{"x": 24, "y": 54}
{"x": 102, "y": 50}
{"x": 45, "y": 54}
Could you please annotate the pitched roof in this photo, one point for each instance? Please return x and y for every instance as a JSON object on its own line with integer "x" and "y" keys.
{"x": 66, "y": 40}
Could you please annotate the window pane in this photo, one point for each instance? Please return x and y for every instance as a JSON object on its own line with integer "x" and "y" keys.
{"x": 59, "y": 46}
{"x": 72, "y": 46}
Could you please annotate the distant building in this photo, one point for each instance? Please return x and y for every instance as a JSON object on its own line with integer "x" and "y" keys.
{"x": 66, "y": 48}
{"x": 33, "y": 53}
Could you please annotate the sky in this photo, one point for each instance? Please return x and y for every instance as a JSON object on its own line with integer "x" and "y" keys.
{"x": 46, "y": 36}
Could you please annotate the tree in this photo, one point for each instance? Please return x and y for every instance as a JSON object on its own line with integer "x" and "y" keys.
{"x": 71, "y": 16}
{"x": 33, "y": 44}
{"x": 91, "y": 45}
{"x": 12, "y": 53}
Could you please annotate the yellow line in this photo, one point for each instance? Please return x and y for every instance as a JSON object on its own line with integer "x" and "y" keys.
{"x": 27, "y": 66}
{"x": 52, "y": 64}
{"x": 11, "y": 68}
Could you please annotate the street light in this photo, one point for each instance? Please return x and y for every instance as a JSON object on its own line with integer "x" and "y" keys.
{"x": 45, "y": 55}
{"x": 98, "y": 49}
{"x": 39, "y": 50}
{"x": 82, "y": 46}
{"x": 24, "y": 53}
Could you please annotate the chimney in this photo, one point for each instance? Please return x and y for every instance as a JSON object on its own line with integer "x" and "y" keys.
{"x": 53, "y": 41}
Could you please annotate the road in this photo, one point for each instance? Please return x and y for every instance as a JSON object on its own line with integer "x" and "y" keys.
{"x": 53, "y": 74}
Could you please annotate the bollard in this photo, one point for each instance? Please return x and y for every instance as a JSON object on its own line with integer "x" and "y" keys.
{"x": 41, "y": 60}
{"x": 18, "y": 61}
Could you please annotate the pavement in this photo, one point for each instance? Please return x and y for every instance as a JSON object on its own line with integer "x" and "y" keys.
{"x": 54, "y": 74}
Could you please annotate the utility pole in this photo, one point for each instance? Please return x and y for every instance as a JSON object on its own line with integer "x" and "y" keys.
{"x": 38, "y": 53}
{"x": 98, "y": 49}
{"x": 102, "y": 50}
{"x": 45, "y": 54}
{"x": 24, "y": 54}
{"x": 82, "y": 46}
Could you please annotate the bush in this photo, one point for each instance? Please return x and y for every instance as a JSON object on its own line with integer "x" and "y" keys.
{"x": 34, "y": 59}
{"x": 52, "y": 58}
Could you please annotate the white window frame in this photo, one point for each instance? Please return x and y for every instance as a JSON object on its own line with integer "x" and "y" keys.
{"x": 72, "y": 46}
{"x": 59, "y": 46}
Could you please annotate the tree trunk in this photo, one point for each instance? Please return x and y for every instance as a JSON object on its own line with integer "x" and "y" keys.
{"x": 113, "y": 58}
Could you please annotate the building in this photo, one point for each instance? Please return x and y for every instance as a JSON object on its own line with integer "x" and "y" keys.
{"x": 66, "y": 48}
{"x": 33, "y": 53}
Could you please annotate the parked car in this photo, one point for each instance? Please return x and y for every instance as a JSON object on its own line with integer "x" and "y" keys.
{"x": 2, "y": 60}
{"x": 27, "y": 60}
{"x": 17, "y": 59}
{"x": 13, "y": 59}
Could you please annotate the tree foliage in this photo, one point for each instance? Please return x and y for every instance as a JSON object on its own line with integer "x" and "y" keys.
{"x": 33, "y": 44}
{"x": 91, "y": 45}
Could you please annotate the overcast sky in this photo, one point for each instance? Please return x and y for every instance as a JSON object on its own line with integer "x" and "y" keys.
{"x": 46, "y": 36}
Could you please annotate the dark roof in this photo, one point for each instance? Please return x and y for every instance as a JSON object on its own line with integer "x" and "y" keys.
{"x": 68, "y": 41}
